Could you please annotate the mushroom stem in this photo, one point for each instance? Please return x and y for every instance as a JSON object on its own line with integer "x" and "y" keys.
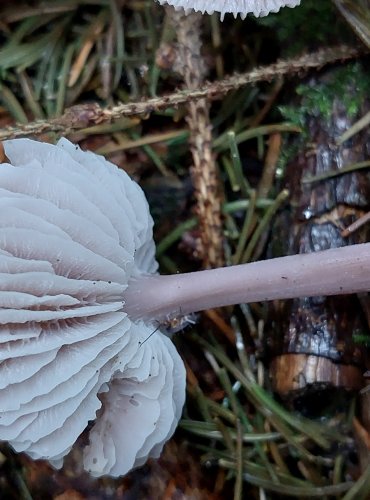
{"x": 330, "y": 272}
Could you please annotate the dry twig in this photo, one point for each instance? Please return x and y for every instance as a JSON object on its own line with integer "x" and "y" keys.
{"x": 204, "y": 169}
{"x": 84, "y": 115}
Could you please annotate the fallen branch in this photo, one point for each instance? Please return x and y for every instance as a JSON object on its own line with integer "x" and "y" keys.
{"x": 85, "y": 115}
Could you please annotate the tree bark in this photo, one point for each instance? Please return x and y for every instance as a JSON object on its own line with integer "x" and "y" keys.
{"x": 313, "y": 345}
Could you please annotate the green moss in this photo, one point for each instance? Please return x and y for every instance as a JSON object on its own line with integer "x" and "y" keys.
{"x": 361, "y": 338}
{"x": 349, "y": 83}
{"x": 289, "y": 151}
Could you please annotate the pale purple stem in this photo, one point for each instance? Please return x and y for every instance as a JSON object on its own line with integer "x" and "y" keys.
{"x": 330, "y": 272}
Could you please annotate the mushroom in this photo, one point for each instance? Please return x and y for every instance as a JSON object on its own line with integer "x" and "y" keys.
{"x": 74, "y": 229}
{"x": 80, "y": 295}
{"x": 258, "y": 8}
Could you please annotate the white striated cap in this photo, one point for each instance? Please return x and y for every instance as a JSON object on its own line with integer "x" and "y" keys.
{"x": 73, "y": 230}
{"x": 258, "y": 8}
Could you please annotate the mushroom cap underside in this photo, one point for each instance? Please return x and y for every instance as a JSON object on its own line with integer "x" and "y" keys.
{"x": 74, "y": 230}
{"x": 258, "y": 8}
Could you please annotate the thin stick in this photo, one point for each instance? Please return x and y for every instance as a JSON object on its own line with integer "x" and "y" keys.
{"x": 204, "y": 170}
{"x": 82, "y": 116}
{"x": 355, "y": 225}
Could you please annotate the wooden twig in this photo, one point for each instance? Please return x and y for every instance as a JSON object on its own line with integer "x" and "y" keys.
{"x": 84, "y": 115}
{"x": 204, "y": 170}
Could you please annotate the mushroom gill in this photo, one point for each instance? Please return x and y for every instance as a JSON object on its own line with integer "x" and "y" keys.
{"x": 258, "y": 8}
{"x": 79, "y": 297}
{"x": 74, "y": 230}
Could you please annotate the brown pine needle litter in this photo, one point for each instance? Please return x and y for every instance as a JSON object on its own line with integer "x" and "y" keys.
{"x": 189, "y": 106}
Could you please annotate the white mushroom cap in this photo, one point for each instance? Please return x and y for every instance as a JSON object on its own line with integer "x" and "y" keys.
{"x": 258, "y": 8}
{"x": 73, "y": 230}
